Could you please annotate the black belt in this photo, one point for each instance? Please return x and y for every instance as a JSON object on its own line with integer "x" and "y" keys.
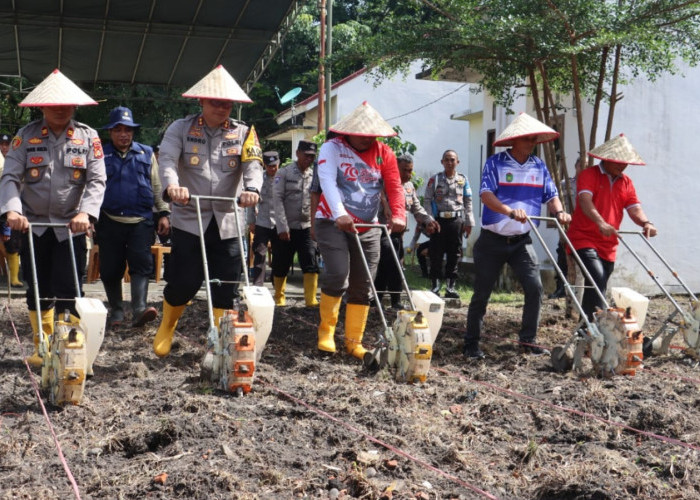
{"x": 509, "y": 239}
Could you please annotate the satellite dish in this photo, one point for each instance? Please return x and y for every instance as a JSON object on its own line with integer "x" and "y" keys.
{"x": 290, "y": 95}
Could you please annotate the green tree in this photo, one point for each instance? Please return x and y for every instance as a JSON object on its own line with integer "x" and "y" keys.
{"x": 547, "y": 48}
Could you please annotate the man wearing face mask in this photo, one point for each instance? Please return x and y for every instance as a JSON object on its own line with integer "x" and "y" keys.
{"x": 125, "y": 231}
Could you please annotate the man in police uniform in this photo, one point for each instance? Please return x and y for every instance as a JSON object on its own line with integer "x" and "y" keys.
{"x": 292, "y": 200}
{"x": 125, "y": 231}
{"x": 449, "y": 198}
{"x": 262, "y": 224}
{"x": 388, "y": 276}
{"x": 55, "y": 173}
{"x": 206, "y": 154}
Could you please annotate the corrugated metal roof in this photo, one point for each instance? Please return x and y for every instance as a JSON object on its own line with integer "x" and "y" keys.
{"x": 162, "y": 42}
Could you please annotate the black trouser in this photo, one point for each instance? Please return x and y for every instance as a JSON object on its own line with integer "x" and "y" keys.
{"x": 124, "y": 243}
{"x": 187, "y": 274}
{"x": 54, "y": 269}
{"x": 423, "y": 259}
{"x": 388, "y": 275}
{"x": 447, "y": 241}
{"x": 262, "y": 236}
{"x": 300, "y": 242}
{"x": 600, "y": 270}
{"x": 491, "y": 252}
{"x": 562, "y": 263}
{"x": 14, "y": 244}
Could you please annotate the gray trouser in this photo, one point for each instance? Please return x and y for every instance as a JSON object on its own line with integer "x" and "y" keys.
{"x": 343, "y": 269}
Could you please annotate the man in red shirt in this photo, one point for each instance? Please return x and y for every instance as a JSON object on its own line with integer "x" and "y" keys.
{"x": 603, "y": 193}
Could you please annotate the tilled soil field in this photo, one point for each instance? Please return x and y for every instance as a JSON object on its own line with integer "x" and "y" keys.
{"x": 321, "y": 427}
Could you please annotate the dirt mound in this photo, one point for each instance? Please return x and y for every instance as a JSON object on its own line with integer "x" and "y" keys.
{"x": 321, "y": 427}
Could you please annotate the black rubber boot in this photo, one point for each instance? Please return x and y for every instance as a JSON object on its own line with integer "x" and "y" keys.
{"x": 436, "y": 287}
{"x": 114, "y": 297}
{"x": 423, "y": 261}
{"x": 141, "y": 314}
{"x": 451, "y": 291}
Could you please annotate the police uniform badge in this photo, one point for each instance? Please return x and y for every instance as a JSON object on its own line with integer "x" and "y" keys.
{"x": 97, "y": 148}
{"x": 35, "y": 140}
{"x": 194, "y": 160}
{"x": 36, "y": 160}
{"x": 233, "y": 163}
{"x": 16, "y": 142}
{"x": 251, "y": 147}
{"x": 77, "y": 173}
{"x": 70, "y": 132}
{"x": 77, "y": 142}
{"x": 34, "y": 172}
{"x": 77, "y": 162}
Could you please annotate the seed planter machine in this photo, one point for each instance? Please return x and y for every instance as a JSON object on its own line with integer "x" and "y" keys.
{"x": 612, "y": 340}
{"x": 69, "y": 350}
{"x": 688, "y": 320}
{"x": 406, "y": 346}
{"x": 235, "y": 345}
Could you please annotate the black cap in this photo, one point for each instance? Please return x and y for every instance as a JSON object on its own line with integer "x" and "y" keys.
{"x": 307, "y": 147}
{"x": 5, "y": 138}
{"x": 271, "y": 158}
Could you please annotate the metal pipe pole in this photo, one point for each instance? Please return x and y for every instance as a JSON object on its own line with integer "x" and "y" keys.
{"x": 321, "y": 68}
{"x": 329, "y": 53}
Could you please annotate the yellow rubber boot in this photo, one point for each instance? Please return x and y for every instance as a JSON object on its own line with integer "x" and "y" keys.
{"x": 330, "y": 308}
{"x": 13, "y": 264}
{"x": 47, "y": 327}
{"x": 310, "y": 285}
{"x": 355, "y": 321}
{"x": 164, "y": 336}
{"x": 280, "y": 285}
{"x": 218, "y": 314}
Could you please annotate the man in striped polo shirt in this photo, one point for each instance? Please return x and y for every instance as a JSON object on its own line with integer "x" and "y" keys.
{"x": 514, "y": 185}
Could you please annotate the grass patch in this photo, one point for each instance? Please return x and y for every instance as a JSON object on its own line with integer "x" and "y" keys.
{"x": 465, "y": 290}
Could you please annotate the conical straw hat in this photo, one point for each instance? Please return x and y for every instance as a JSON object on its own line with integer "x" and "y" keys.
{"x": 57, "y": 90}
{"x": 525, "y": 126}
{"x": 365, "y": 121}
{"x": 218, "y": 84}
{"x": 617, "y": 150}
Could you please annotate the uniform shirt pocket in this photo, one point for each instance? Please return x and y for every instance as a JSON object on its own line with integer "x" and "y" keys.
{"x": 193, "y": 154}
{"x": 36, "y": 167}
{"x": 77, "y": 175}
{"x": 230, "y": 157}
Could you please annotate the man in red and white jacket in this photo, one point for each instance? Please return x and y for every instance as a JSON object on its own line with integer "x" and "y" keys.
{"x": 353, "y": 170}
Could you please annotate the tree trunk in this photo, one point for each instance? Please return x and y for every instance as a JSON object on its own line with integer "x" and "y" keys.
{"x": 613, "y": 93}
{"x": 563, "y": 183}
{"x": 577, "y": 104}
{"x": 598, "y": 97}
{"x": 550, "y": 157}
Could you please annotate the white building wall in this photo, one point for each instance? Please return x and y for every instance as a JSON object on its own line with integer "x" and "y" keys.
{"x": 421, "y": 108}
{"x": 659, "y": 118}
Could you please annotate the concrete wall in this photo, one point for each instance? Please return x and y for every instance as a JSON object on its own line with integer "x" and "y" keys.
{"x": 422, "y": 109}
{"x": 659, "y": 120}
